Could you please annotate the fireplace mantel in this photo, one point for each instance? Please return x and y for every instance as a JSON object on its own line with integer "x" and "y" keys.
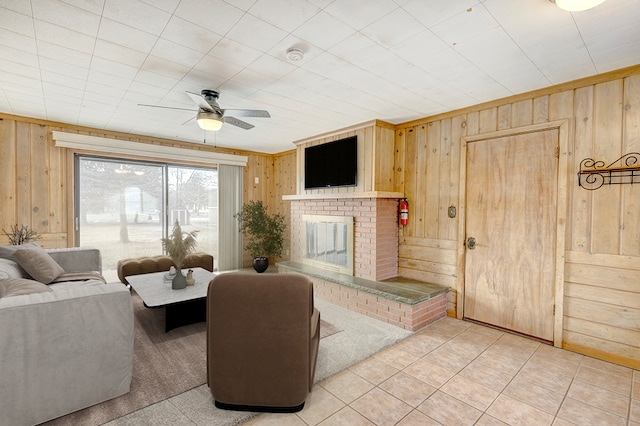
{"x": 343, "y": 195}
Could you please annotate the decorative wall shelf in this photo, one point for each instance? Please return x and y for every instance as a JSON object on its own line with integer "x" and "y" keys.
{"x": 625, "y": 170}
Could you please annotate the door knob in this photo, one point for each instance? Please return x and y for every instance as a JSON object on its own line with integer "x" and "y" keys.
{"x": 471, "y": 243}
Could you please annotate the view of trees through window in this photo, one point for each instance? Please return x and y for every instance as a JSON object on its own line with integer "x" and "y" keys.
{"x": 124, "y": 208}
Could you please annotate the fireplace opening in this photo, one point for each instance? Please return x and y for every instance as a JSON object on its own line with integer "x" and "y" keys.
{"x": 328, "y": 242}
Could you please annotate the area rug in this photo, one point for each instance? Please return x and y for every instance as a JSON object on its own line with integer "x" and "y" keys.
{"x": 164, "y": 365}
{"x": 169, "y": 371}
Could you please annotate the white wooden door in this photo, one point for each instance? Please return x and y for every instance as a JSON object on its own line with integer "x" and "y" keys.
{"x": 511, "y": 199}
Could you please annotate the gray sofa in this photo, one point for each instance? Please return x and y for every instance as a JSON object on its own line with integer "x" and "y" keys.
{"x": 67, "y": 346}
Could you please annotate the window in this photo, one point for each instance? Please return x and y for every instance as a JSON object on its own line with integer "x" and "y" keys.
{"x": 125, "y": 207}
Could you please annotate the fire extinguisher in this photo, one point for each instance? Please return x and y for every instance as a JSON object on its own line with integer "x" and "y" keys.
{"x": 404, "y": 212}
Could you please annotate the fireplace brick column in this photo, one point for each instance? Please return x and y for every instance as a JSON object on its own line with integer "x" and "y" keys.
{"x": 375, "y": 232}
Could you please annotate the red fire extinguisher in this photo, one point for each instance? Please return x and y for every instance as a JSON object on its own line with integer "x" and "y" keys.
{"x": 404, "y": 212}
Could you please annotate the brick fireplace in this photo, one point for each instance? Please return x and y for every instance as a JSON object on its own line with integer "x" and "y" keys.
{"x": 375, "y": 232}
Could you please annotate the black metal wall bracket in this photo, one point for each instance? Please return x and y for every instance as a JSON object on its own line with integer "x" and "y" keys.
{"x": 625, "y": 170}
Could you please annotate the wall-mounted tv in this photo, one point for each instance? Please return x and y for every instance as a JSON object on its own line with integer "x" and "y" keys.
{"x": 331, "y": 164}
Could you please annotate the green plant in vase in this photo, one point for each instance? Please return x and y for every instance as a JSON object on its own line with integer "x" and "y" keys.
{"x": 264, "y": 232}
{"x": 178, "y": 246}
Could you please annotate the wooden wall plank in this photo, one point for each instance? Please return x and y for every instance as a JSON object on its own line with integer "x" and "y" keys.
{"x": 410, "y": 178}
{"x": 630, "y": 238}
{"x": 488, "y": 120}
{"x": 607, "y": 111}
{"x": 399, "y": 160}
{"x": 541, "y": 109}
{"x": 603, "y": 313}
{"x": 430, "y": 190}
{"x": 621, "y": 298}
{"x": 504, "y": 117}
{"x": 443, "y": 180}
{"x": 23, "y": 174}
{"x": 522, "y": 113}
{"x": 581, "y": 200}
{"x": 8, "y": 177}
{"x": 39, "y": 179}
{"x": 603, "y": 276}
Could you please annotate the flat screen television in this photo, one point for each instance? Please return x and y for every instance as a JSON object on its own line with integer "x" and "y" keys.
{"x": 331, "y": 164}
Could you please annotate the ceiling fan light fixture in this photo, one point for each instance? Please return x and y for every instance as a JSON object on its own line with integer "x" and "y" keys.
{"x": 576, "y": 5}
{"x": 209, "y": 121}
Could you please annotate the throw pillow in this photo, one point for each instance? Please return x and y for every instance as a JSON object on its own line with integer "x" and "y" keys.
{"x": 21, "y": 286}
{"x": 10, "y": 269}
{"x": 6, "y": 252}
{"x": 38, "y": 264}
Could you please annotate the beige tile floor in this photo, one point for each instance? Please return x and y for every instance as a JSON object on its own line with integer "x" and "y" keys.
{"x": 459, "y": 373}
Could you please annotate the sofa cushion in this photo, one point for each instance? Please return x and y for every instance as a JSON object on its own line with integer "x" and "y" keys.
{"x": 38, "y": 264}
{"x": 20, "y": 286}
{"x": 10, "y": 269}
{"x": 6, "y": 252}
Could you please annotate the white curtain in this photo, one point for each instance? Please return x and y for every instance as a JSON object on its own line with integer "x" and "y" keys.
{"x": 229, "y": 204}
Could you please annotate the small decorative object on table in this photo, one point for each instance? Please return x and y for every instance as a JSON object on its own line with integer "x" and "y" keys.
{"x": 178, "y": 246}
{"x": 21, "y": 235}
{"x": 190, "y": 279}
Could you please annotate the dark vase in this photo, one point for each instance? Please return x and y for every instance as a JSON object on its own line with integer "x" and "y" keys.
{"x": 260, "y": 264}
{"x": 179, "y": 281}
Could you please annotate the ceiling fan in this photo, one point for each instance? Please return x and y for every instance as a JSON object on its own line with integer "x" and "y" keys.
{"x": 211, "y": 117}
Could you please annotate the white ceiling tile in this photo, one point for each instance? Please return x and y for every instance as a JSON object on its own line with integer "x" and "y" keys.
{"x": 64, "y": 37}
{"x": 285, "y": 14}
{"x": 272, "y": 67}
{"x": 385, "y": 32}
{"x": 67, "y": 16}
{"x": 137, "y": 14}
{"x": 323, "y": 30}
{"x": 18, "y": 41}
{"x": 113, "y": 68}
{"x": 20, "y": 6}
{"x": 18, "y": 56}
{"x": 433, "y": 12}
{"x": 215, "y": 15}
{"x": 475, "y": 22}
{"x": 357, "y": 48}
{"x": 16, "y": 22}
{"x": 258, "y": 34}
{"x": 156, "y": 79}
{"x": 70, "y": 70}
{"x": 93, "y": 6}
{"x": 175, "y": 53}
{"x": 234, "y": 52}
{"x": 358, "y": 16}
{"x": 62, "y": 80}
{"x": 124, "y": 35}
{"x": 190, "y": 35}
{"x": 96, "y": 75}
{"x": 64, "y": 54}
{"x": 166, "y": 5}
{"x": 121, "y": 54}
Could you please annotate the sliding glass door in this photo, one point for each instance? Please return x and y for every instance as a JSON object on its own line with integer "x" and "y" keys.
{"x": 124, "y": 207}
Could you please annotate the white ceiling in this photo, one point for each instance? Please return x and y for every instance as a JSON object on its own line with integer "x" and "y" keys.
{"x": 91, "y": 62}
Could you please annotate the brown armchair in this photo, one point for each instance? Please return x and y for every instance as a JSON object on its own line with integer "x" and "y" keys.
{"x": 263, "y": 334}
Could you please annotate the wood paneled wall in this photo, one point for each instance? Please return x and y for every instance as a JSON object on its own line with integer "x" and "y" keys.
{"x": 602, "y": 272}
{"x": 36, "y": 177}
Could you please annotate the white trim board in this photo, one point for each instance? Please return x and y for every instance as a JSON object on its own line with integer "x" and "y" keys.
{"x": 116, "y": 146}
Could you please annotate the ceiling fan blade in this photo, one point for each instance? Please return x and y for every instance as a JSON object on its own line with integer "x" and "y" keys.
{"x": 166, "y": 107}
{"x": 234, "y": 121}
{"x": 202, "y": 102}
{"x": 248, "y": 112}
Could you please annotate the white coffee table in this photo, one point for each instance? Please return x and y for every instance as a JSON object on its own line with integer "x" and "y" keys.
{"x": 184, "y": 306}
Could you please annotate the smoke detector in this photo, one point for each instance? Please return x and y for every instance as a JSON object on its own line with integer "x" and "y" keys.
{"x": 294, "y": 54}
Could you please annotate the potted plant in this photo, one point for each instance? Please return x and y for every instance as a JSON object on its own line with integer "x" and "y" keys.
{"x": 264, "y": 232}
{"x": 178, "y": 245}
{"x": 21, "y": 235}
